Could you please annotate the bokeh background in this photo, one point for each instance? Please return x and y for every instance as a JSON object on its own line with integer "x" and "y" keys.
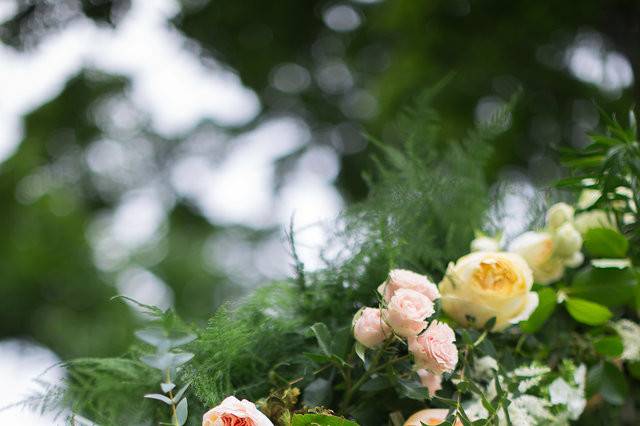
{"x": 159, "y": 149}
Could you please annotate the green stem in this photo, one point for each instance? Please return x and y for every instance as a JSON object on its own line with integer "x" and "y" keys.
{"x": 174, "y": 416}
{"x": 373, "y": 368}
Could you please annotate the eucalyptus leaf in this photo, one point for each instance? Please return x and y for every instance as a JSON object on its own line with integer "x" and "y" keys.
{"x": 159, "y": 397}
{"x": 178, "y": 396}
{"x": 167, "y": 387}
{"x": 182, "y": 412}
{"x": 587, "y": 312}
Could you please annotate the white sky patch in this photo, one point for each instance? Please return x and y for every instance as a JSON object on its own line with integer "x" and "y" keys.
{"x": 144, "y": 287}
{"x": 589, "y": 60}
{"x": 169, "y": 82}
{"x": 240, "y": 189}
{"x": 21, "y": 362}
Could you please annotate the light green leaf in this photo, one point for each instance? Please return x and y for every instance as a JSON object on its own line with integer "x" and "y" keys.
{"x": 606, "y": 243}
{"x": 587, "y": 312}
{"x": 361, "y": 350}
{"x": 321, "y": 332}
{"x": 320, "y": 420}
{"x": 546, "y": 305}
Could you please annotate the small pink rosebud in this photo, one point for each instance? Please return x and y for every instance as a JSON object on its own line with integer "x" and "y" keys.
{"x": 369, "y": 327}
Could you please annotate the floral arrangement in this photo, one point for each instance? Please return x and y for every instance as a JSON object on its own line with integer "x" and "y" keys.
{"x": 464, "y": 329}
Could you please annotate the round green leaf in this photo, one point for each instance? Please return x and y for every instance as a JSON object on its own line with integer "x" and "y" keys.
{"x": 604, "y": 242}
{"x": 587, "y": 312}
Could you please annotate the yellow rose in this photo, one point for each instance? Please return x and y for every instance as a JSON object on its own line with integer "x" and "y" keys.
{"x": 483, "y": 285}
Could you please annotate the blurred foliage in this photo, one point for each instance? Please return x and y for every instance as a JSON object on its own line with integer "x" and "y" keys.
{"x": 352, "y": 82}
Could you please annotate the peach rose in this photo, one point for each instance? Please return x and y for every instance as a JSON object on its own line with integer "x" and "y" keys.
{"x": 369, "y": 328}
{"x": 407, "y": 311}
{"x": 429, "y": 416}
{"x": 402, "y": 278}
{"x": 433, "y": 382}
{"x": 434, "y": 349}
{"x": 233, "y": 412}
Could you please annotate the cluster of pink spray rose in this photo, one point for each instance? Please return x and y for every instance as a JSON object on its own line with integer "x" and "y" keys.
{"x": 408, "y": 304}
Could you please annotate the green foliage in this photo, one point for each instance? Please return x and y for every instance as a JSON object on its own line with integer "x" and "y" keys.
{"x": 320, "y": 420}
{"x": 547, "y": 301}
{"x": 605, "y": 243}
{"x": 587, "y": 312}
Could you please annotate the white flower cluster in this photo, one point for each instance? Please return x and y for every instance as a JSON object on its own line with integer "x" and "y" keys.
{"x": 564, "y": 401}
{"x": 629, "y": 332}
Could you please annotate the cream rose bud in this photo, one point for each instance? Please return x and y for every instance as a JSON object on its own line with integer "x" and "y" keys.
{"x": 233, "y": 412}
{"x": 433, "y": 382}
{"x": 559, "y": 214}
{"x": 402, "y": 278}
{"x": 537, "y": 248}
{"x": 369, "y": 328}
{"x": 592, "y": 219}
{"x": 483, "y": 285}
{"x": 434, "y": 350}
{"x": 485, "y": 243}
{"x": 407, "y": 311}
{"x": 567, "y": 241}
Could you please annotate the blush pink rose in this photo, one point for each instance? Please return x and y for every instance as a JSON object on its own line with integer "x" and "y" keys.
{"x": 369, "y": 328}
{"x": 402, "y": 278}
{"x": 233, "y": 412}
{"x": 429, "y": 416}
{"x": 433, "y": 382}
{"x": 434, "y": 349}
{"x": 407, "y": 311}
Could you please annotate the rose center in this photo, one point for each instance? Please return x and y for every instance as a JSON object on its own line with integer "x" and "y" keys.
{"x": 495, "y": 275}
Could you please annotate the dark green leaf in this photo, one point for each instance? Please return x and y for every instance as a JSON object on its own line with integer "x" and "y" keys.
{"x": 546, "y": 305}
{"x": 412, "y": 389}
{"x": 609, "y": 346}
{"x": 320, "y": 420}
{"x": 607, "y": 380}
{"x": 317, "y": 393}
{"x": 609, "y": 287}
{"x": 375, "y": 384}
{"x": 587, "y": 312}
